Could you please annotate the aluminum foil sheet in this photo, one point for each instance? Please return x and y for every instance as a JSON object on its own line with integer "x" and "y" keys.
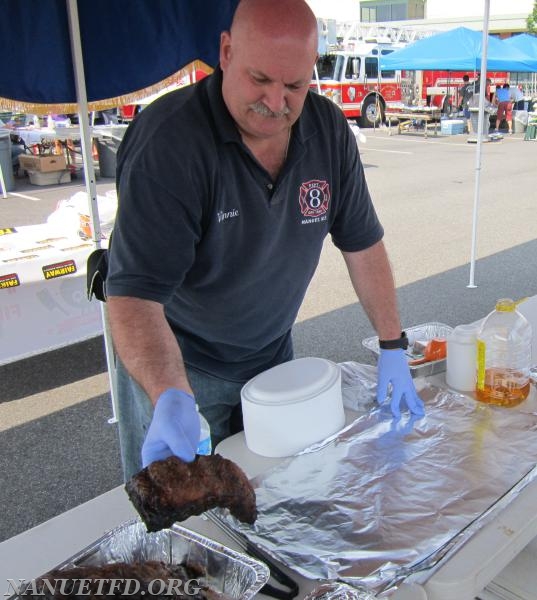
{"x": 423, "y": 332}
{"x": 229, "y": 574}
{"x": 384, "y": 498}
{"x": 338, "y": 591}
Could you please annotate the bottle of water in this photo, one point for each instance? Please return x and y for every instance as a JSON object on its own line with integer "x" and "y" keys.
{"x": 204, "y": 446}
{"x": 504, "y": 356}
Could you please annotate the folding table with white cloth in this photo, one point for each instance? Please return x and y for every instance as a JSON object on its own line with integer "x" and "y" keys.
{"x": 477, "y": 542}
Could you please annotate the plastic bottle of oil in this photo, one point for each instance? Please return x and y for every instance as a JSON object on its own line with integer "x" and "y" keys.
{"x": 504, "y": 356}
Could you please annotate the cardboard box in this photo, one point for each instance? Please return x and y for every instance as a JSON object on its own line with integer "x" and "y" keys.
{"x": 45, "y": 164}
{"x": 49, "y": 178}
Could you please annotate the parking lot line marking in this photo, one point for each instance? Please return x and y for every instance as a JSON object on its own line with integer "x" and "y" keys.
{"x": 24, "y": 196}
{"x": 386, "y": 151}
{"x": 430, "y": 140}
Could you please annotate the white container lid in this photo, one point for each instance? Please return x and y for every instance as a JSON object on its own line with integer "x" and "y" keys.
{"x": 290, "y": 382}
{"x": 465, "y": 333}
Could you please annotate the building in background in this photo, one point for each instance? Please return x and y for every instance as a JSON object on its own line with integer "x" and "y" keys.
{"x": 506, "y": 16}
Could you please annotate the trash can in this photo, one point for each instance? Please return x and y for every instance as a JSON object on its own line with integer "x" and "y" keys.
{"x": 107, "y": 147}
{"x": 531, "y": 131}
{"x": 5, "y": 160}
{"x": 474, "y": 118}
{"x": 520, "y": 121}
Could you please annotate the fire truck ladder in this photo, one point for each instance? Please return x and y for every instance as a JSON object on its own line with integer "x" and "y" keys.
{"x": 349, "y": 31}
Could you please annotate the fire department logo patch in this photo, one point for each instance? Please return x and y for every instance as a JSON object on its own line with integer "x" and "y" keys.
{"x": 314, "y": 198}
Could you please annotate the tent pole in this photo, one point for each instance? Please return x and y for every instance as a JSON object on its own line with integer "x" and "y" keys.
{"x": 85, "y": 134}
{"x": 482, "y": 88}
{"x": 3, "y": 183}
{"x": 89, "y": 176}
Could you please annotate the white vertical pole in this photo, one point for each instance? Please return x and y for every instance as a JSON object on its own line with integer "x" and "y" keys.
{"x": 3, "y": 183}
{"x": 317, "y": 81}
{"x": 482, "y": 88}
{"x": 89, "y": 176}
{"x": 85, "y": 134}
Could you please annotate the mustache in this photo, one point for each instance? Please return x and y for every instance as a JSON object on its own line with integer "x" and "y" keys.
{"x": 264, "y": 111}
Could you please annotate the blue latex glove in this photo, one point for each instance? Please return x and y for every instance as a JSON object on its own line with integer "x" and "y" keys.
{"x": 393, "y": 368}
{"x": 174, "y": 429}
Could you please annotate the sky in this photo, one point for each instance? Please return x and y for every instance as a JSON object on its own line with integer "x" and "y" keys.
{"x": 349, "y": 10}
{"x": 341, "y": 10}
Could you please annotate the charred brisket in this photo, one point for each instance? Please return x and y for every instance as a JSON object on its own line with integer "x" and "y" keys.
{"x": 137, "y": 581}
{"x": 172, "y": 490}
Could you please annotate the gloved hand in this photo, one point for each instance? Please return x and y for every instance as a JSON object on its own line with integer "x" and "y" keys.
{"x": 393, "y": 368}
{"x": 174, "y": 429}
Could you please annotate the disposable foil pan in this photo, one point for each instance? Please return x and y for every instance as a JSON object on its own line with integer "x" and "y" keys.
{"x": 423, "y": 332}
{"x": 231, "y": 575}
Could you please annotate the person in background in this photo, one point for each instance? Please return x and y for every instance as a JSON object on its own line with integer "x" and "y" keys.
{"x": 489, "y": 93}
{"x": 517, "y": 97}
{"x": 110, "y": 116}
{"x": 466, "y": 92}
{"x": 228, "y": 189}
{"x": 477, "y": 85}
{"x": 494, "y": 95}
{"x": 17, "y": 143}
{"x": 502, "y": 99}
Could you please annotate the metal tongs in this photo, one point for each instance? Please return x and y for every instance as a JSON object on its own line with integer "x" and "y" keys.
{"x": 275, "y": 572}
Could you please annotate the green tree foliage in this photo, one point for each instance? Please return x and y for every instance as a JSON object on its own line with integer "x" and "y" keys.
{"x": 531, "y": 21}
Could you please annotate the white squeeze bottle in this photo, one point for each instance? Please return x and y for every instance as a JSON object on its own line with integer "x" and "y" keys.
{"x": 504, "y": 356}
{"x": 204, "y": 445}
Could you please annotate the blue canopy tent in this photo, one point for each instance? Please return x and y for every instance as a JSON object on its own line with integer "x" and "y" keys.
{"x": 80, "y": 55}
{"x": 528, "y": 44}
{"x": 463, "y": 49}
{"x": 459, "y": 49}
{"x": 524, "y": 42}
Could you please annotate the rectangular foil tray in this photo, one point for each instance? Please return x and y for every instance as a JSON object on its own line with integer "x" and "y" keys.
{"x": 229, "y": 573}
{"x": 425, "y": 331}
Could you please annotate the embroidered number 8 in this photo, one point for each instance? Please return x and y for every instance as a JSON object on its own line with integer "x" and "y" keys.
{"x": 315, "y": 198}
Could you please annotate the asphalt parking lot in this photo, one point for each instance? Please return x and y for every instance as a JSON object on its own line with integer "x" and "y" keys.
{"x": 57, "y": 448}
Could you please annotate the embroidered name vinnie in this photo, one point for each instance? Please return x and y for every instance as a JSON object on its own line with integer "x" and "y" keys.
{"x": 230, "y": 214}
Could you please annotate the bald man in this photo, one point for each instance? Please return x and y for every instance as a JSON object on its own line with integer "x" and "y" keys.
{"x": 227, "y": 190}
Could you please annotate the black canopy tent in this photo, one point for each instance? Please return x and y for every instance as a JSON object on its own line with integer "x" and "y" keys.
{"x": 80, "y": 55}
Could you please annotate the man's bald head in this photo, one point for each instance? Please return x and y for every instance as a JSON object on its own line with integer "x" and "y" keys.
{"x": 267, "y": 59}
{"x": 276, "y": 19}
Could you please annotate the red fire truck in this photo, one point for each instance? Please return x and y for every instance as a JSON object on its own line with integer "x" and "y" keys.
{"x": 352, "y": 79}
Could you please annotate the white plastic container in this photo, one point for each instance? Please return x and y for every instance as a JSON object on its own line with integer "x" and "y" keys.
{"x": 291, "y": 406}
{"x": 461, "y": 358}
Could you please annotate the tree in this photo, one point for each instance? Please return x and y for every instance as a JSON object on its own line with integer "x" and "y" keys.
{"x": 531, "y": 21}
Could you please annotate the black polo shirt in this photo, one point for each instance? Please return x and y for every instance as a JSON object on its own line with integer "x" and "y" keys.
{"x": 202, "y": 228}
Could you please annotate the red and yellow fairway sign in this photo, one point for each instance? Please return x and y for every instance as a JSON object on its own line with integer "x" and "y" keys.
{"x": 60, "y": 269}
{"x": 8, "y": 281}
